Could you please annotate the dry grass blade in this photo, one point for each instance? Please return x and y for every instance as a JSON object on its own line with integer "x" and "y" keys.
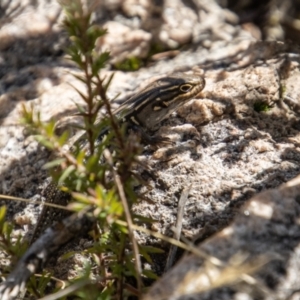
{"x": 177, "y": 230}
{"x": 70, "y": 289}
{"x": 119, "y": 185}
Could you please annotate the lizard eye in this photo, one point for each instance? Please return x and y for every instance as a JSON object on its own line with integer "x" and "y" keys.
{"x": 185, "y": 87}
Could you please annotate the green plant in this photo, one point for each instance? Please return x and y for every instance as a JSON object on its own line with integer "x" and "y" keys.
{"x": 12, "y": 247}
{"x": 261, "y": 106}
{"x": 99, "y": 175}
{"x": 129, "y": 64}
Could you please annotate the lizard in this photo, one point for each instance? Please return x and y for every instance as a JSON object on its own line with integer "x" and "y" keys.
{"x": 144, "y": 111}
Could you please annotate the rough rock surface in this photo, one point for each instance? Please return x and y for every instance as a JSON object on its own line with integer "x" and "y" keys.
{"x": 263, "y": 239}
{"x": 224, "y": 145}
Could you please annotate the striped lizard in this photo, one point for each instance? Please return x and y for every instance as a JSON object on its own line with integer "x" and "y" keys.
{"x": 144, "y": 111}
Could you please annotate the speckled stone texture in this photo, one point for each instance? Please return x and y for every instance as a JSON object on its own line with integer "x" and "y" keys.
{"x": 226, "y": 148}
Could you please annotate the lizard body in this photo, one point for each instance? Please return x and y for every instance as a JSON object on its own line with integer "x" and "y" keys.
{"x": 145, "y": 110}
